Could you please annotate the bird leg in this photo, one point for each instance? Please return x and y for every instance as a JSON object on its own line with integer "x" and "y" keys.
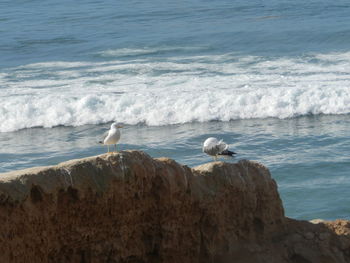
{"x": 115, "y": 146}
{"x": 216, "y": 158}
{"x": 108, "y": 148}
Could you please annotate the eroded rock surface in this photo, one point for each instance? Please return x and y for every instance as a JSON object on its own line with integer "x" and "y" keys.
{"x": 128, "y": 207}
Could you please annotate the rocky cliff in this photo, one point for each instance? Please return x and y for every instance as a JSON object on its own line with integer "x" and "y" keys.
{"x": 128, "y": 207}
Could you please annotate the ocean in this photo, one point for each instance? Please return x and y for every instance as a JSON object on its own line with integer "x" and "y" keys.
{"x": 271, "y": 78}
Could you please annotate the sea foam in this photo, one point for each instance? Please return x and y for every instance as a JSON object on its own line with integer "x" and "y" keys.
{"x": 171, "y": 91}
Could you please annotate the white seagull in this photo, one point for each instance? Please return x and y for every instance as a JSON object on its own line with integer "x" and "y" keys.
{"x": 112, "y": 136}
{"x": 214, "y": 147}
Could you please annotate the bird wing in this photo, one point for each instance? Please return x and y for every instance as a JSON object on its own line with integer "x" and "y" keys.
{"x": 104, "y": 137}
{"x": 222, "y": 146}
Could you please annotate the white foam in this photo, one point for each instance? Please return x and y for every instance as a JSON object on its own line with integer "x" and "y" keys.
{"x": 179, "y": 90}
{"x": 126, "y": 52}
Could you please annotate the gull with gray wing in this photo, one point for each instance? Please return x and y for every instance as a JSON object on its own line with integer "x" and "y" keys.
{"x": 214, "y": 147}
{"x": 112, "y": 136}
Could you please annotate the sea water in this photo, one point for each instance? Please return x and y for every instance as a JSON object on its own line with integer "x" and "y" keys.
{"x": 271, "y": 78}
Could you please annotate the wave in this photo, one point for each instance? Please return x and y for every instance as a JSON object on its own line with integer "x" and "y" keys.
{"x": 178, "y": 90}
{"x": 134, "y": 52}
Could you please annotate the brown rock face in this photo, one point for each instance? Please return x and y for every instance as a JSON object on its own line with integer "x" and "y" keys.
{"x": 128, "y": 207}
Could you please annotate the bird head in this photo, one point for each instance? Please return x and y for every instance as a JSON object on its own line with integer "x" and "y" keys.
{"x": 116, "y": 125}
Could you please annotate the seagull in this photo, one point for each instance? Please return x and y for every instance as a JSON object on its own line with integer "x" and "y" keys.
{"x": 214, "y": 147}
{"x": 112, "y": 136}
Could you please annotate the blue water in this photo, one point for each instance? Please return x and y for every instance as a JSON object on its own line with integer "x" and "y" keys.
{"x": 37, "y": 31}
{"x": 271, "y": 78}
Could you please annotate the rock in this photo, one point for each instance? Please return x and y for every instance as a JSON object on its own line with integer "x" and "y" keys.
{"x": 128, "y": 207}
{"x": 317, "y": 221}
{"x": 309, "y": 235}
{"x": 324, "y": 236}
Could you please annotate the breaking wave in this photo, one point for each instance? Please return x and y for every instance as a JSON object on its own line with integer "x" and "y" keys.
{"x": 173, "y": 90}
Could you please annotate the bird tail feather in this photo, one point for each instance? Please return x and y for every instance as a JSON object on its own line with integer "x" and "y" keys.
{"x": 228, "y": 153}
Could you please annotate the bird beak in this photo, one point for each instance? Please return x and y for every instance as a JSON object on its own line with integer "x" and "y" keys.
{"x": 120, "y": 126}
